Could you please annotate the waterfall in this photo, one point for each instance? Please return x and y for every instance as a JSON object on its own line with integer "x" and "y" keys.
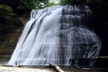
{"x": 56, "y": 35}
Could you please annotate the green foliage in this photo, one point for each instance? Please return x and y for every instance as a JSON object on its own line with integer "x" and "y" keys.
{"x": 8, "y": 20}
{"x": 6, "y": 11}
{"x": 66, "y": 2}
{"x": 29, "y": 3}
{"x": 10, "y": 10}
{"x": 5, "y": 7}
{"x": 48, "y": 4}
{"x": 35, "y": 4}
{"x": 71, "y": 2}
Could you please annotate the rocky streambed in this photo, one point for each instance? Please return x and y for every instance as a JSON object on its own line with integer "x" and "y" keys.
{"x": 24, "y": 69}
{"x": 6, "y": 68}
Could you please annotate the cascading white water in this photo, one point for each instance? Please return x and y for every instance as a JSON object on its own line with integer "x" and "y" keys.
{"x": 56, "y": 35}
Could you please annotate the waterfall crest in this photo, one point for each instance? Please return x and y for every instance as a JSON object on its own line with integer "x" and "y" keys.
{"x": 55, "y": 35}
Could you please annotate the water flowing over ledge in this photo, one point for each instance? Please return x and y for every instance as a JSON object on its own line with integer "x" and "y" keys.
{"x": 57, "y": 35}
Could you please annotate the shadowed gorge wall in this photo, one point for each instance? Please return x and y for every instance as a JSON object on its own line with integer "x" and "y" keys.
{"x": 9, "y": 37}
{"x": 100, "y": 23}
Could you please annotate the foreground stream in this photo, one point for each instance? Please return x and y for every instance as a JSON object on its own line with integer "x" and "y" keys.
{"x": 46, "y": 69}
